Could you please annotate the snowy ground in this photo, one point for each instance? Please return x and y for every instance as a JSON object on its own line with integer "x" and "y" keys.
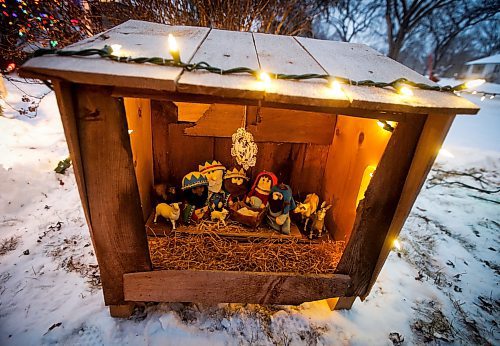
{"x": 441, "y": 288}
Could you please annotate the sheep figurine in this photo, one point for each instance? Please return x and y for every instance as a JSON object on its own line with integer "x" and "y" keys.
{"x": 220, "y": 216}
{"x": 318, "y": 223}
{"x": 168, "y": 211}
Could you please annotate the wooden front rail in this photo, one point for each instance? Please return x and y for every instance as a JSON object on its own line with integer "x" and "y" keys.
{"x": 207, "y": 286}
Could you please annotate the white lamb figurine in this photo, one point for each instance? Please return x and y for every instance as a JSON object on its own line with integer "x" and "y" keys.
{"x": 219, "y": 216}
{"x": 168, "y": 211}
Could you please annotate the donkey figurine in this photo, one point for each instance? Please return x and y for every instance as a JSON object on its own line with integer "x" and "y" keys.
{"x": 318, "y": 222}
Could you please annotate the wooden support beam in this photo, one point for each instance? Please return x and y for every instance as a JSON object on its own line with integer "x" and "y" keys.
{"x": 163, "y": 113}
{"x": 117, "y": 226}
{"x": 433, "y": 135}
{"x": 376, "y": 211}
{"x": 291, "y": 126}
{"x": 66, "y": 103}
{"x": 121, "y": 311}
{"x": 220, "y": 120}
{"x": 207, "y": 286}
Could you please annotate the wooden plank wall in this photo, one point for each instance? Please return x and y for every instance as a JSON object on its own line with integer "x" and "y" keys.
{"x": 299, "y": 164}
{"x": 357, "y": 143}
{"x": 138, "y": 113}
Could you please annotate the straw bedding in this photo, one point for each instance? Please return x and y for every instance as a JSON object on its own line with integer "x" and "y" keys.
{"x": 209, "y": 251}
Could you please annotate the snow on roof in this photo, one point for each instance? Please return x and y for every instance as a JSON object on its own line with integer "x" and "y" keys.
{"x": 492, "y": 59}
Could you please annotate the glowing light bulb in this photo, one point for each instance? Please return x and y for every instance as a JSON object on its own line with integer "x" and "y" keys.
{"x": 336, "y": 87}
{"x": 173, "y": 48}
{"x": 405, "y": 91}
{"x": 386, "y": 125}
{"x": 397, "y": 244}
{"x": 483, "y": 97}
{"x": 474, "y": 83}
{"x": 130, "y": 132}
{"x": 264, "y": 77}
{"x": 492, "y": 97}
{"x": 474, "y": 92}
{"x": 172, "y": 44}
{"x": 115, "y": 49}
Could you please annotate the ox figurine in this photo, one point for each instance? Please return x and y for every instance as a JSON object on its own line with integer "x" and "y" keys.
{"x": 307, "y": 208}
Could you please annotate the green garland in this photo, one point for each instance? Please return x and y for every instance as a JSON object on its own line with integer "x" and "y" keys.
{"x": 107, "y": 53}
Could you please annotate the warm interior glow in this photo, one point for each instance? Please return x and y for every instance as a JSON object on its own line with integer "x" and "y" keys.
{"x": 116, "y": 49}
{"x": 365, "y": 181}
{"x": 130, "y": 132}
{"x": 380, "y": 124}
{"x": 172, "y": 44}
{"x": 474, "y": 83}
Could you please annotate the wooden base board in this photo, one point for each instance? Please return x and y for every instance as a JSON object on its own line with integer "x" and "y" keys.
{"x": 211, "y": 286}
{"x": 163, "y": 228}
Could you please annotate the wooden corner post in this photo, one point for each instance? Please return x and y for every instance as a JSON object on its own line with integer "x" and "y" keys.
{"x": 376, "y": 211}
{"x": 96, "y": 129}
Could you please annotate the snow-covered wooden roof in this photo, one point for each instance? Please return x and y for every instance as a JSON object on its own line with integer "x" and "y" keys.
{"x": 492, "y": 59}
{"x": 228, "y": 49}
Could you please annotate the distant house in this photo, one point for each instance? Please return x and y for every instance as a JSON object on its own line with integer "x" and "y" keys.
{"x": 487, "y": 68}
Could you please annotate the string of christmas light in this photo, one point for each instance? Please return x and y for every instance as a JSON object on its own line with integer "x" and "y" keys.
{"x": 402, "y": 85}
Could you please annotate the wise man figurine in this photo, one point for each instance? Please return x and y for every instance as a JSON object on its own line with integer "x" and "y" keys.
{"x": 281, "y": 203}
{"x": 259, "y": 193}
{"x": 236, "y": 185}
{"x": 195, "y": 190}
{"x": 214, "y": 171}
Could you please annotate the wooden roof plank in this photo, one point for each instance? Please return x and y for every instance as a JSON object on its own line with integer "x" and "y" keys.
{"x": 138, "y": 39}
{"x": 224, "y": 49}
{"x": 229, "y": 49}
{"x": 360, "y": 62}
{"x": 282, "y": 54}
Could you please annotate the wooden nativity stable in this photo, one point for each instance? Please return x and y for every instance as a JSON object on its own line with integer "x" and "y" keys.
{"x": 129, "y": 126}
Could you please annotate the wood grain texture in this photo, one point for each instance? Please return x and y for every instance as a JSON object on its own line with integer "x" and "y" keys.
{"x": 186, "y": 152}
{"x": 340, "y": 303}
{"x": 308, "y": 168}
{"x": 282, "y": 54}
{"x": 219, "y": 120}
{"x": 66, "y": 101}
{"x": 163, "y": 113}
{"x": 121, "y": 311}
{"x": 191, "y": 112}
{"x": 289, "y": 126}
{"x": 138, "y": 113}
{"x": 360, "y": 62}
{"x": 224, "y": 49}
{"x": 231, "y": 287}
{"x": 357, "y": 143}
{"x": 376, "y": 211}
{"x": 138, "y": 39}
{"x": 433, "y": 135}
{"x": 114, "y": 203}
